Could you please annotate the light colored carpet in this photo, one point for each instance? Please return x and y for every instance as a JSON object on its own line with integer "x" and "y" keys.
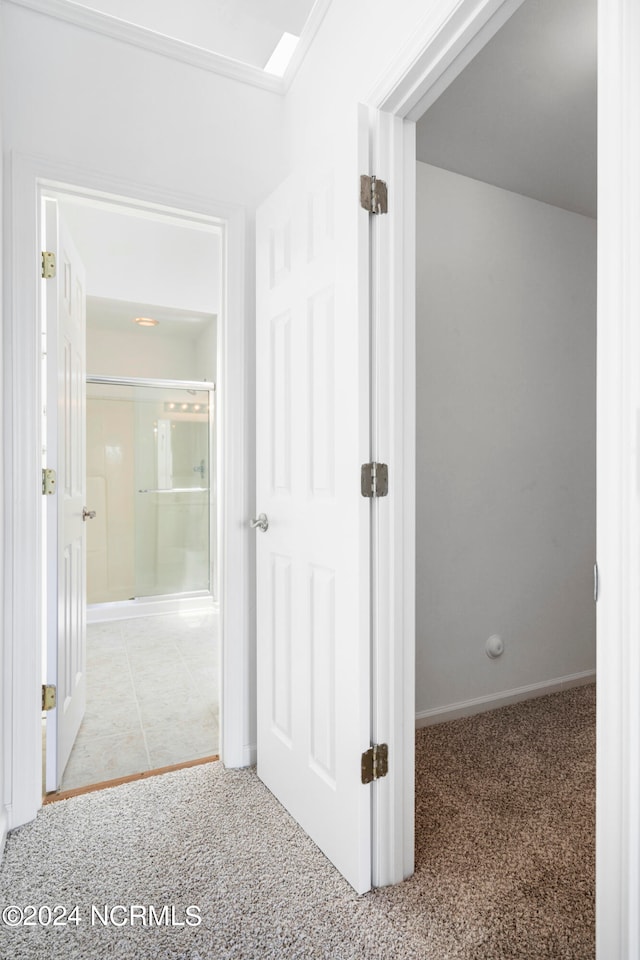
{"x": 505, "y": 810}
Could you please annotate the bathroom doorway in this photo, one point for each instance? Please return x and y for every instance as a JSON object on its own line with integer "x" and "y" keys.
{"x": 143, "y": 648}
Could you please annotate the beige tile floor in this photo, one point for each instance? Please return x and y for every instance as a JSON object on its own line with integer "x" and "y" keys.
{"x": 152, "y": 696}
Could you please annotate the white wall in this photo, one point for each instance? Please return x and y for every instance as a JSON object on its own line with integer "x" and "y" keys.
{"x": 146, "y": 259}
{"x": 135, "y": 114}
{"x": 357, "y": 41}
{"x": 112, "y": 108}
{"x": 505, "y": 440}
{"x": 142, "y": 352}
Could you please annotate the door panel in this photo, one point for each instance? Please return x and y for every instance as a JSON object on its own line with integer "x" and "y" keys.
{"x": 312, "y": 383}
{"x": 66, "y": 633}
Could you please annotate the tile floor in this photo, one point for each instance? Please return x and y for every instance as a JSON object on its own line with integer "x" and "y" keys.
{"x": 152, "y": 696}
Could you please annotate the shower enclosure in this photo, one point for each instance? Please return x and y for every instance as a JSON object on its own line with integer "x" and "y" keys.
{"x": 151, "y": 480}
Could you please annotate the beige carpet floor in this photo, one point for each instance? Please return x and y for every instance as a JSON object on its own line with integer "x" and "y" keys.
{"x": 505, "y": 859}
{"x": 505, "y": 829}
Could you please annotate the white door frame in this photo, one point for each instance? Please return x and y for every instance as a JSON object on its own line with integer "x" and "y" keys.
{"x": 23, "y": 614}
{"x": 450, "y": 36}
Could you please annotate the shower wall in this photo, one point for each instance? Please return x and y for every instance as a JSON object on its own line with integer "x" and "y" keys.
{"x": 110, "y": 485}
{"x": 148, "y": 457}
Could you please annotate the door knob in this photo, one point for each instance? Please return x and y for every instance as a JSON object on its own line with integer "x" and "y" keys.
{"x": 88, "y": 514}
{"x": 260, "y": 522}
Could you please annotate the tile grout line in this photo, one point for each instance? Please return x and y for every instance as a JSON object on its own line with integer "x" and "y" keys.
{"x": 141, "y": 685}
{"x": 135, "y": 691}
{"x": 202, "y": 696}
{"x": 153, "y": 686}
{"x": 86, "y": 740}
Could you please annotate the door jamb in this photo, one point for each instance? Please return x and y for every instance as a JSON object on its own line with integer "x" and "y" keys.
{"x": 23, "y": 615}
{"x": 440, "y": 49}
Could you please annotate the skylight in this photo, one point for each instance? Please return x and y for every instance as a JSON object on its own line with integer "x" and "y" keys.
{"x": 251, "y": 32}
{"x": 281, "y": 56}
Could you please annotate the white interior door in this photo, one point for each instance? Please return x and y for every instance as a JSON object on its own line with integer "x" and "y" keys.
{"x": 313, "y": 560}
{"x": 66, "y": 541}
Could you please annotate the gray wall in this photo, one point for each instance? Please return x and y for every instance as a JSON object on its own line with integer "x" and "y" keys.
{"x": 505, "y": 440}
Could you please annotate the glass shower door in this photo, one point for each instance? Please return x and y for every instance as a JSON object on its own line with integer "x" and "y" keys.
{"x": 172, "y": 546}
{"x": 149, "y": 450}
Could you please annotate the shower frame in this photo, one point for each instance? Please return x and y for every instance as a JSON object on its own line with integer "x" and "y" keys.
{"x": 145, "y": 606}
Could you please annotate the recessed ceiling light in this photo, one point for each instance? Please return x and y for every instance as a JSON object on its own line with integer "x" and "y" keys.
{"x": 146, "y": 322}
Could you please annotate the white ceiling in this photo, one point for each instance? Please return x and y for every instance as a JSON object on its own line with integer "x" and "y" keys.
{"x": 522, "y": 115}
{"x": 245, "y": 30}
{"x": 118, "y": 316}
{"x": 143, "y": 257}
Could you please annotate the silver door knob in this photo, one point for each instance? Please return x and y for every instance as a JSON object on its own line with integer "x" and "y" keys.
{"x": 260, "y": 522}
{"x": 88, "y": 514}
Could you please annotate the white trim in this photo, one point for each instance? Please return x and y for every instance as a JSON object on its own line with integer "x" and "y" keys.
{"x": 416, "y": 77}
{"x": 451, "y": 33}
{"x": 393, "y": 415}
{"x": 4, "y": 829}
{"x": 447, "y": 39}
{"x": 147, "y": 39}
{"x": 149, "y": 607}
{"x": 309, "y": 31}
{"x": 27, "y": 176}
{"x": 618, "y": 522}
{"x": 22, "y": 503}
{"x": 467, "y": 708}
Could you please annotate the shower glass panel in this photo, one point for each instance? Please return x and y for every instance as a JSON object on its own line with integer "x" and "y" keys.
{"x": 148, "y": 478}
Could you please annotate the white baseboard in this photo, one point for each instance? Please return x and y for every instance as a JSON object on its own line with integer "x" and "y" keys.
{"x": 4, "y": 827}
{"x": 466, "y": 708}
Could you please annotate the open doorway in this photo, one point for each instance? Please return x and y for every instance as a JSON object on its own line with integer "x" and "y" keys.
{"x": 506, "y": 446}
{"x": 506, "y": 321}
{"x": 141, "y": 644}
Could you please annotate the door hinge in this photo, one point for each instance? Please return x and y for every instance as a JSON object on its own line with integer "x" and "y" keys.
{"x": 373, "y": 194}
{"x": 596, "y": 582}
{"x": 48, "y": 696}
{"x": 48, "y": 481}
{"x": 48, "y": 265}
{"x": 374, "y": 479}
{"x": 375, "y": 763}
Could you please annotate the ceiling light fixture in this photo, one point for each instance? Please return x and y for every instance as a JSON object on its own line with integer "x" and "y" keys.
{"x": 146, "y": 322}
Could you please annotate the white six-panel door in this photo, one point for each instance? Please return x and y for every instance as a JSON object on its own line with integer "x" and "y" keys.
{"x": 66, "y": 615}
{"x": 313, "y": 560}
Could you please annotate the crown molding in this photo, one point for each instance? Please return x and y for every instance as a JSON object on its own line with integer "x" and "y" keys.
{"x": 117, "y": 29}
{"x": 109, "y": 26}
{"x": 309, "y": 31}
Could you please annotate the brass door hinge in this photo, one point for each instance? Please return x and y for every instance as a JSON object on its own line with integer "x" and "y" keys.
{"x": 48, "y": 265}
{"x": 48, "y": 696}
{"x": 48, "y": 482}
{"x": 375, "y": 763}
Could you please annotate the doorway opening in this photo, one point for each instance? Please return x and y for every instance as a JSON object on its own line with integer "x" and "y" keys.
{"x": 506, "y": 395}
{"x": 131, "y": 636}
